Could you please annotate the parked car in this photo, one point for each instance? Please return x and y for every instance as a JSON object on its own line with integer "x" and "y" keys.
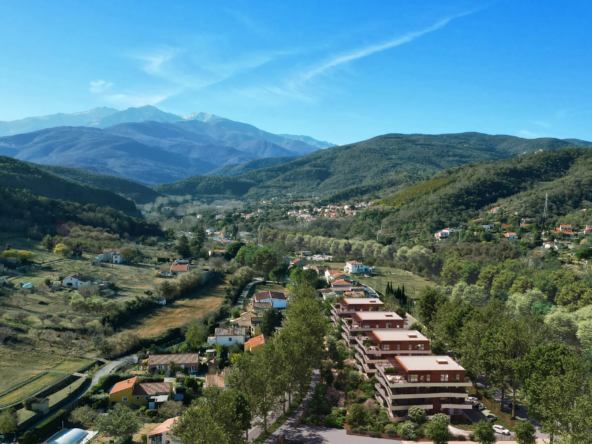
{"x": 501, "y": 430}
{"x": 472, "y": 399}
{"x": 491, "y": 418}
{"x": 478, "y": 406}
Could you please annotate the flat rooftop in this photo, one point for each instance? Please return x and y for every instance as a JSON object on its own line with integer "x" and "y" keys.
{"x": 398, "y": 335}
{"x": 428, "y": 363}
{"x": 378, "y": 316}
{"x": 362, "y": 301}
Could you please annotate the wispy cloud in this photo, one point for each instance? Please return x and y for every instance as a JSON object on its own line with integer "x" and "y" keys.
{"x": 296, "y": 85}
{"x": 369, "y": 50}
{"x": 198, "y": 68}
{"x": 99, "y": 86}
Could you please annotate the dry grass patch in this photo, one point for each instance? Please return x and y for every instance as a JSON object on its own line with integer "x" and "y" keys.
{"x": 207, "y": 298}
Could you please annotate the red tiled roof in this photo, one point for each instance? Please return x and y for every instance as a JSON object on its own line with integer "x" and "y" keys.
{"x": 262, "y": 295}
{"x": 124, "y": 385}
{"x": 164, "y": 427}
{"x": 215, "y": 381}
{"x": 151, "y": 388}
{"x": 341, "y": 283}
{"x": 256, "y": 341}
{"x": 179, "y": 359}
{"x": 180, "y": 267}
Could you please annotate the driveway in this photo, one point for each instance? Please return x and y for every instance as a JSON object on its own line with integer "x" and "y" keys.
{"x": 322, "y": 435}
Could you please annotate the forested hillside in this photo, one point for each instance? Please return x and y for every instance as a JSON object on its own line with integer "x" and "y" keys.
{"x": 23, "y": 212}
{"x": 409, "y": 157}
{"x": 518, "y": 185}
{"x": 207, "y": 185}
{"x": 25, "y": 176}
{"x": 256, "y": 164}
{"x": 127, "y": 188}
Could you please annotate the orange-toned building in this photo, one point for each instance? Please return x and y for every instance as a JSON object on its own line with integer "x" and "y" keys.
{"x": 132, "y": 393}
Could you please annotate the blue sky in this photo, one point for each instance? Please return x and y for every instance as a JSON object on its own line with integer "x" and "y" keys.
{"x": 340, "y": 71}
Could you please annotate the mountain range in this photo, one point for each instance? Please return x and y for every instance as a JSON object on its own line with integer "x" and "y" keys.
{"x": 145, "y": 144}
{"x": 373, "y": 167}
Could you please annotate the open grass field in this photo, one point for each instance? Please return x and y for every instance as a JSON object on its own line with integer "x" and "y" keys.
{"x": 207, "y": 298}
{"x": 22, "y": 374}
{"x": 414, "y": 285}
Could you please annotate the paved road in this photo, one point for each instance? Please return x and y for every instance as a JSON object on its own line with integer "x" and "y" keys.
{"x": 323, "y": 435}
{"x": 245, "y": 292}
{"x": 257, "y": 430}
{"x": 110, "y": 367}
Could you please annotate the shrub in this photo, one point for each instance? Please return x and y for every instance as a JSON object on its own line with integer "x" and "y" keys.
{"x": 441, "y": 417}
{"x": 332, "y": 396}
{"x": 417, "y": 414}
{"x": 391, "y": 370}
{"x": 391, "y": 429}
{"x": 357, "y": 415}
{"x": 407, "y": 430}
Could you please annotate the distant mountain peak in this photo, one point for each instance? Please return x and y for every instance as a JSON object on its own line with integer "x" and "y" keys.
{"x": 200, "y": 116}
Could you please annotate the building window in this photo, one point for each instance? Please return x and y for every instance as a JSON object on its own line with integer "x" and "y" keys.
{"x": 412, "y": 378}
{"x": 230, "y": 339}
{"x": 456, "y": 411}
{"x": 386, "y": 346}
{"x": 147, "y": 398}
{"x": 458, "y": 376}
{"x": 421, "y": 347}
{"x": 137, "y": 398}
{"x": 124, "y": 399}
{"x": 388, "y": 324}
{"x": 398, "y": 346}
{"x": 444, "y": 377}
{"x": 428, "y": 377}
{"x": 410, "y": 346}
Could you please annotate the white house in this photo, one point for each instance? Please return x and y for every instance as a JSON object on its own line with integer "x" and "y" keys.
{"x": 444, "y": 233}
{"x": 77, "y": 281}
{"x": 228, "y": 336}
{"x": 111, "y": 255}
{"x": 356, "y": 267}
{"x": 278, "y": 299}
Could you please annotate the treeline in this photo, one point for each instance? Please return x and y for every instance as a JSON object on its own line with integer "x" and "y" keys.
{"x": 260, "y": 380}
{"x": 20, "y": 211}
{"x": 516, "y": 351}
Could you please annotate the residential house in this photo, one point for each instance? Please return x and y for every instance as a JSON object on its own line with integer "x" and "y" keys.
{"x": 251, "y": 320}
{"x": 344, "y": 308}
{"x": 326, "y": 293}
{"x": 510, "y": 236}
{"x": 363, "y": 322}
{"x": 228, "y": 336}
{"x": 77, "y": 281}
{"x": 255, "y": 342}
{"x": 551, "y": 246}
{"x": 342, "y": 286}
{"x": 486, "y": 227}
{"x": 297, "y": 263}
{"x": 353, "y": 267}
{"x": 446, "y": 232}
{"x": 215, "y": 380}
{"x": 376, "y": 346}
{"x": 111, "y": 255}
{"x": 495, "y": 210}
{"x": 278, "y": 299}
{"x": 506, "y": 226}
{"x": 132, "y": 393}
{"x": 162, "y": 434}
{"x": 312, "y": 267}
{"x": 216, "y": 253}
{"x": 434, "y": 383}
{"x": 564, "y": 228}
{"x": 188, "y": 361}
{"x": 179, "y": 267}
{"x": 261, "y": 307}
{"x": 587, "y": 231}
{"x": 335, "y": 275}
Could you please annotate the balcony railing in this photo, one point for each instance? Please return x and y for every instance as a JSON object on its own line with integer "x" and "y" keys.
{"x": 399, "y": 381}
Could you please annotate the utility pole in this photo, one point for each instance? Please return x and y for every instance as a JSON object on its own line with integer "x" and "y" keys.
{"x": 546, "y": 208}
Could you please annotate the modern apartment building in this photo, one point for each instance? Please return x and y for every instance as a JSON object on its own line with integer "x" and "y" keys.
{"x": 363, "y": 322}
{"x": 435, "y": 383}
{"x": 378, "y": 346}
{"x": 345, "y": 307}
